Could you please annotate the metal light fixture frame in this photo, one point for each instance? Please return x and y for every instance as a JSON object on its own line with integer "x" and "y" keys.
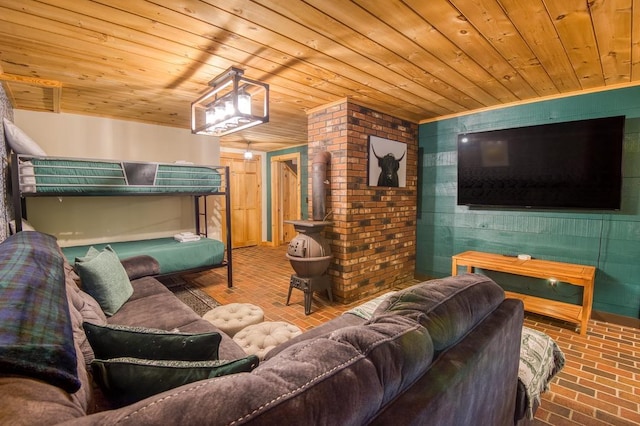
{"x": 225, "y": 88}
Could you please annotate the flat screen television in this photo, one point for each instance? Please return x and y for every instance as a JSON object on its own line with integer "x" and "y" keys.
{"x": 569, "y": 165}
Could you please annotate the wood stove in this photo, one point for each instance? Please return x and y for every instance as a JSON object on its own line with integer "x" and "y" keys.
{"x": 310, "y": 255}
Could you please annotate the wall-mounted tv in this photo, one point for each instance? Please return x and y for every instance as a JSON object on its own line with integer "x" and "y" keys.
{"x": 568, "y": 165}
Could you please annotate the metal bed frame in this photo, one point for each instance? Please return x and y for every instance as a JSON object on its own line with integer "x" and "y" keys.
{"x": 137, "y": 174}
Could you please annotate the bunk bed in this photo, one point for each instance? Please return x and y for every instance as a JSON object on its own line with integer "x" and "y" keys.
{"x": 46, "y": 176}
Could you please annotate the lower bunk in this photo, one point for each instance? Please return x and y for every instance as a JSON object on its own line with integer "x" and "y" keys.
{"x": 172, "y": 256}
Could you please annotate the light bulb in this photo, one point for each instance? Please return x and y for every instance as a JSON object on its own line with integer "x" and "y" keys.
{"x": 244, "y": 103}
{"x": 219, "y": 112}
{"x": 210, "y": 116}
{"x": 248, "y": 155}
{"x": 229, "y": 110}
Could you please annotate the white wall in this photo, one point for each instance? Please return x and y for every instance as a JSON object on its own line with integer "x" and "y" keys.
{"x": 85, "y": 220}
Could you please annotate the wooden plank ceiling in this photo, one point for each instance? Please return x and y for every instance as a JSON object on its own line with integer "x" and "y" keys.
{"x": 415, "y": 59}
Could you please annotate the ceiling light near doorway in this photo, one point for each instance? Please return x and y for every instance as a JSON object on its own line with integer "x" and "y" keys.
{"x": 248, "y": 155}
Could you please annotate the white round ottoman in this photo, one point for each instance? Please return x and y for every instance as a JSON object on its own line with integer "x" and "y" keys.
{"x": 258, "y": 339}
{"x": 234, "y": 317}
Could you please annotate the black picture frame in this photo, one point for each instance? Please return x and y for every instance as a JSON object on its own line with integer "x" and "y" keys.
{"x": 386, "y": 163}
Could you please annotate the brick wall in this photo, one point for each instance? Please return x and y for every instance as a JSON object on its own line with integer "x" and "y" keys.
{"x": 373, "y": 236}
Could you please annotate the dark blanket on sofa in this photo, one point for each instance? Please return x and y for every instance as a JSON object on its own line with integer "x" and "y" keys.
{"x": 36, "y": 337}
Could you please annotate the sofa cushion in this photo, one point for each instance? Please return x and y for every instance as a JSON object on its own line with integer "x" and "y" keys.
{"x": 104, "y": 278}
{"x": 27, "y": 401}
{"x": 36, "y": 337}
{"x": 85, "y": 307}
{"x": 150, "y": 302}
{"x": 449, "y": 308}
{"x": 148, "y": 305}
{"x": 117, "y": 341}
{"x": 132, "y": 379}
{"x": 471, "y": 383}
{"x": 140, "y": 266}
{"x": 344, "y": 377}
{"x": 323, "y": 329}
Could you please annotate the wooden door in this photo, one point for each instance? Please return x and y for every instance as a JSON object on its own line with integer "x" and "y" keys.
{"x": 246, "y": 201}
{"x": 285, "y": 196}
{"x": 290, "y": 199}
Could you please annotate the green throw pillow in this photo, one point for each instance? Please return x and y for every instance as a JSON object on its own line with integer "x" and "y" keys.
{"x": 128, "y": 380}
{"x": 104, "y": 278}
{"x": 117, "y": 341}
{"x": 92, "y": 252}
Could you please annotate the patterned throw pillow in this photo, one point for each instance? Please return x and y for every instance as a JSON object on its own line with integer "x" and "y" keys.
{"x": 117, "y": 341}
{"x": 128, "y": 380}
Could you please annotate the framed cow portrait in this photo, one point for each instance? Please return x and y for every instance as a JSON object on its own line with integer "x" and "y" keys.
{"x": 387, "y": 163}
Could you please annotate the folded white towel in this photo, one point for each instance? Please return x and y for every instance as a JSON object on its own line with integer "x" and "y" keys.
{"x": 184, "y": 237}
{"x": 185, "y": 234}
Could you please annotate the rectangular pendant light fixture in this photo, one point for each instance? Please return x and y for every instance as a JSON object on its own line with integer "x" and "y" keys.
{"x": 232, "y": 104}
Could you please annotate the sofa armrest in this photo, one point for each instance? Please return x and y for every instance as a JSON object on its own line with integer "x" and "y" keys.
{"x": 140, "y": 266}
{"x": 472, "y": 382}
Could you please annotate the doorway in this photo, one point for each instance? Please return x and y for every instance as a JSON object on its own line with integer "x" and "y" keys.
{"x": 246, "y": 199}
{"x": 285, "y": 196}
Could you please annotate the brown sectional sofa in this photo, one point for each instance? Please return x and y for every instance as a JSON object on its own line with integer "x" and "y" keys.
{"x": 442, "y": 352}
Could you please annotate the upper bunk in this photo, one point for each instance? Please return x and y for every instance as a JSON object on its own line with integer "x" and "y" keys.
{"x": 61, "y": 176}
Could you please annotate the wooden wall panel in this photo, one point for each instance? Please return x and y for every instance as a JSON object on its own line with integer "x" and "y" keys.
{"x": 608, "y": 240}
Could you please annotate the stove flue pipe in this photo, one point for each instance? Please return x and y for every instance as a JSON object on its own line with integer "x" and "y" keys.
{"x": 318, "y": 182}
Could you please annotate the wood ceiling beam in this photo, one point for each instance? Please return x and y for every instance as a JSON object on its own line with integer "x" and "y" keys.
{"x": 55, "y": 86}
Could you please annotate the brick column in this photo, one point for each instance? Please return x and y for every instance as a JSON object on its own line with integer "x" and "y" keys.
{"x": 373, "y": 236}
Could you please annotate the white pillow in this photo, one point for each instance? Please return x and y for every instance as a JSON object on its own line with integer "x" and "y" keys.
{"x": 19, "y": 141}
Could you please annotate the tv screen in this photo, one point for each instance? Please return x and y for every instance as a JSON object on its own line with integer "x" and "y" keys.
{"x": 573, "y": 165}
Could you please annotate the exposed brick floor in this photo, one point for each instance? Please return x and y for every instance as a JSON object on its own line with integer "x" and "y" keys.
{"x": 599, "y": 385}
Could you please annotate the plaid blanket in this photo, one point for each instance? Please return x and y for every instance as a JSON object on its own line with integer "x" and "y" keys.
{"x": 36, "y": 337}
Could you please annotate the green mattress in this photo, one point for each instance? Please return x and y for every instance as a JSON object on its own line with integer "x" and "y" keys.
{"x": 173, "y": 256}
